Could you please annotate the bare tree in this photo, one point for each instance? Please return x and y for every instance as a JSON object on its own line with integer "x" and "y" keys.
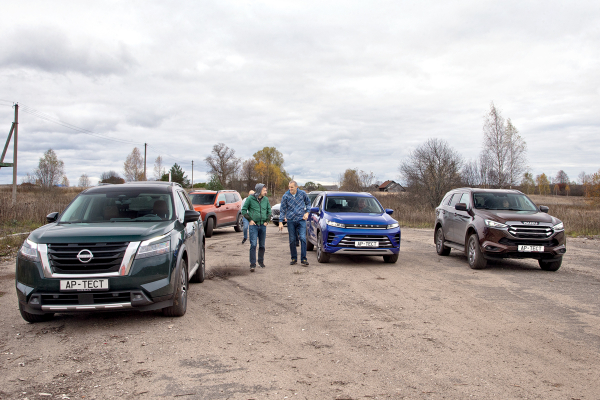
{"x": 367, "y": 180}
{"x": 50, "y": 170}
{"x": 223, "y": 163}
{"x": 561, "y": 177}
{"x": 133, "y": 168}
{"x": 516, "y": 154}
{"x": 111, "y": 177}
{"x": 431, "y": 170}
{"x": 527, "y": 183}
{"x": 84, "y": 181}
{"x": 248, "y": 174}
{"x": 470, "y": 174}
{"x": 64, "y": 182}
{"x": 350, "y": 181}
{"x": 159, "y": 168}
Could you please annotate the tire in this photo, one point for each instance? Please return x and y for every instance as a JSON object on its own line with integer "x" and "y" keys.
{"x": 548, "y": 265}
{"x": 201, "y": 271}
{"x": 180, "y": 301}
{"x": 439, "y": 243}
{"x": 210, "y": 224}
{"x": 33, "y": 318}
{"x": 474, "y": 255}
{"x": 275, "y": 223}
{"x": 322, "y": 257}
{"x": 391, "y": 258}
{"x": 240, "y": 224}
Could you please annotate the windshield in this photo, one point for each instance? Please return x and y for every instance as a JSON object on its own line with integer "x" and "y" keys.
{"x": 503, "y": 201}
{"x": 126, "y": 205}
{"x": 203, "y": 199}
{"x": 352, "y": 204}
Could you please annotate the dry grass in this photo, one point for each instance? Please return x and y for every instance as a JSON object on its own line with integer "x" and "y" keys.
{"x": 409, "y": 211}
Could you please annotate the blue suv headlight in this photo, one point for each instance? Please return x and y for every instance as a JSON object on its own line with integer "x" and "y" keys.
{"x": 335, "y": 224}
{"x": 393, "y": 226}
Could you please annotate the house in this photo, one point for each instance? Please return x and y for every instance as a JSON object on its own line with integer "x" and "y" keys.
{"x": 331, "y": 187}
{"x": 391, "y": 186}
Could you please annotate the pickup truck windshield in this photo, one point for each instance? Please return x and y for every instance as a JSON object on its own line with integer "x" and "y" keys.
{"x": 352, "y": 204}
{"x": 122, "y": 206}
{"x": 503, "y": 201}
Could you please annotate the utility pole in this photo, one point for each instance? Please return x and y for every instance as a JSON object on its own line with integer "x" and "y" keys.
{"x": 145, "y": 148}
{"x": 192, "y": 174}
{"x": 14, "y": 196}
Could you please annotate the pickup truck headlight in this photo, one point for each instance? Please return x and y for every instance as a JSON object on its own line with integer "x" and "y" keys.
{"x": 559, "y": 227}
{"x": 29, "y": 251}
{"x": 154, "y": 249}
{"x": 336, "y": 224}
{"x": 494, "y": 224}
{"x": 391, "y": 226}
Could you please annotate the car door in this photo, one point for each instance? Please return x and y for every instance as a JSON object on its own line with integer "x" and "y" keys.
{"x": 447, "y": 216}
{"x": 220, "y": 211}
{"x": 182, "y": 204}
{"x": 230, "y": 207}
{"x": 313, "y": 220}
{"x": 461, "y": 219}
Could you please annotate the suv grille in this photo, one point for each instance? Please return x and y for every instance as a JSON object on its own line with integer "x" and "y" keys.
{"x": 530, "y": 232}
{"x": 107, "y": 257}
{"x": 348, "y": 240}
{"x": 365, "y": 226}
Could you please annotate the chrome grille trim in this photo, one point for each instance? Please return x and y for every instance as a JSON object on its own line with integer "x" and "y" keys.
{"x": 348, "y": 240}
{"x": 530, "y": 231}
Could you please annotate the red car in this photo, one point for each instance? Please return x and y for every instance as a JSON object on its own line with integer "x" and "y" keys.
{"x": 219, "y": 209}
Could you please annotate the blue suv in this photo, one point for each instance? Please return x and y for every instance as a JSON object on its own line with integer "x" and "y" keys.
{"x": 352, "y": 224}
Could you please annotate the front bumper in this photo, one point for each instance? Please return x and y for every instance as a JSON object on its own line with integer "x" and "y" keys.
{"x": 499, "y": 244}
{"x": 342, "y": 241}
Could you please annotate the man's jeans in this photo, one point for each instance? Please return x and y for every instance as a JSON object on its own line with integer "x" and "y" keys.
{"x": 257, "y": 232}
{"x": 246, "y": 224}
{"x": 297, "y": 231}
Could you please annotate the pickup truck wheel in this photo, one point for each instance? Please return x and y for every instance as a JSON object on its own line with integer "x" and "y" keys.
{"x": 210, "y": 224}
{"x": 180, "y": 301}
{"x": 553, "y": 265}
{"x": 240, "y": 224}
{"x": 391, "y": 258}
{"x": 439, "y": 243}
{"x": 201, "y": 271}
{"x": 33, "y": 318}
{"x": 474, "y": 255}
{"x": 322, "y": 257}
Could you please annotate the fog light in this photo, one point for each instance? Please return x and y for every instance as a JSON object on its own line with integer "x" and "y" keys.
{"x": 34, "y": 300}
{"x": 562, "y": 251}
{"x": 137, "y": 297}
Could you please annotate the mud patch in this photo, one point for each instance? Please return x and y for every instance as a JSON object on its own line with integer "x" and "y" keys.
{"x": 226, "y": 271}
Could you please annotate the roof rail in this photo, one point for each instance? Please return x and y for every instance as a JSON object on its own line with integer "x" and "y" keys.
{"x": 153, "y": 183}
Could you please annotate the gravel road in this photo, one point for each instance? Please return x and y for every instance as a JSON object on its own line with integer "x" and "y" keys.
{"x": 427, "y": 327}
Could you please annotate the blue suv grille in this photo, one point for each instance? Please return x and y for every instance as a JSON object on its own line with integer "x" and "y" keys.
{"x": 348, "y": 240}
{"x": 107, "y": 257}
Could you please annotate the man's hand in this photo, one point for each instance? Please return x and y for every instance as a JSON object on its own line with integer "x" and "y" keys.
{"x": 266, "y": 224}
{"x": 252, "y": 223}
{"x": 305, "y": 217}
{"x": 280, "y": 226}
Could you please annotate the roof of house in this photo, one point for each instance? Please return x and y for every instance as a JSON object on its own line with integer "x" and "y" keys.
{"x": 385, "y": 184}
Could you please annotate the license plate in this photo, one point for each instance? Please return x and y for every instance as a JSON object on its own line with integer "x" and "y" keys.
{"x": 529, "y": 249}
{"x": 83, "y": 285}
{"x": 366, "y": 244}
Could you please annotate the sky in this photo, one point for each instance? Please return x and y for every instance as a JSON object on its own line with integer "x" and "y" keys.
{"x": 331, "y": 84}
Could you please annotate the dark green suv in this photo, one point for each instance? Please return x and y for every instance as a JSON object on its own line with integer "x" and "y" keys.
{"x": 115, "y": 247}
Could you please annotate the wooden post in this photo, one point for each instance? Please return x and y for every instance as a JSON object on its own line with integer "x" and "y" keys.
{"x": 16, "y": 138}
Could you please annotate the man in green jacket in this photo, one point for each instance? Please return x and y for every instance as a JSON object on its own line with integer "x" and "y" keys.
{"x": 257, "y": 210}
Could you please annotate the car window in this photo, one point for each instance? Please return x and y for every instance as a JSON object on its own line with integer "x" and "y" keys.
{"x": 455, "y": 198}
{"x": 318, "y": 201}
{"x": 237, "y": 197}
{"x": 126, "y": 205}
{"x": 446, "y": 200}
{"x": 221, "y": 198}
{"x": 503, "y": 201}
{"x": 185, "y": 200}
{"x": 180, "y": 208}
{"x": 466, "y": 198}
{"x": 203, "y": 199}
{"x": 354, "y": 204}
{"x": 230, "y": 197}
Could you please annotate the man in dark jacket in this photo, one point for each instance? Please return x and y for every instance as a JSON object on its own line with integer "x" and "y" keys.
{"x": 257, "y": 210}
{"x": 295, "y": 207}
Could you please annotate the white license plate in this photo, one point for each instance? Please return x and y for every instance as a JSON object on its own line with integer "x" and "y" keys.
{"x": 83, "y": 285}
{"x": 366, "y": 244}
{"x": 529, "y": 249}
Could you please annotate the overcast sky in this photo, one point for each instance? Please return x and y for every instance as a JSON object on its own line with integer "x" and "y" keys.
{"x": 330, "y": 84}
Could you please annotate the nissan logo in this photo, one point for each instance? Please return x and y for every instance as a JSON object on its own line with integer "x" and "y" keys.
{"x": 85, "y": 256}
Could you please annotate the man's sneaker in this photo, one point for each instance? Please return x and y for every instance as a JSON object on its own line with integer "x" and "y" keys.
{"x": 293, "y": 262}
{"x": 244, "y": 240}
{"x": 262, "y": 265}
{"x": 305, "y": 263}
{"x": 252, "y": 267}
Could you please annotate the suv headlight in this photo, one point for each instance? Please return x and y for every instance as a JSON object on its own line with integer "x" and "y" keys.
{"x": 336, "y": 224}
{"x": 494, "y": 224}
{"x": 559, "y": 227}
{"x": 29, "y": 251}
{"x": 391, "y": 226}
{"x": 154, "y": 249}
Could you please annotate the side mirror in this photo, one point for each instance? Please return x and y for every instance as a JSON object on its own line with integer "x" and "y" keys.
{"x": 52, "y": 217}
{"x": 190, "y": 216}
{"x": 221, "y": 203}
{"x": 389, "y": 211}
{"x": 314, "y": 210}
{"x": 460, "y": 207}
{"x": 544, "y": 209}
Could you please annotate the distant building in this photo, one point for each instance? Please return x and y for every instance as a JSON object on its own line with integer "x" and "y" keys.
{"x": 331, "y": 187}
{"x": 391, "y": 186}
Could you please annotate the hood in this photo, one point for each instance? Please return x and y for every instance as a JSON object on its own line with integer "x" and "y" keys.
{"x": 100, "y": 232}
{"x": 276, "y": 206}
{"x": 356, "y": 218}
{"x": 258, "y": 189}
{"x": 518, "y": 216}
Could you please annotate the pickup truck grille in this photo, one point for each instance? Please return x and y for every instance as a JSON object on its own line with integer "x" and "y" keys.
{"x": 348, "y": 240}
{"x": 107, "y": 257}
{"x": 530, "y": 232}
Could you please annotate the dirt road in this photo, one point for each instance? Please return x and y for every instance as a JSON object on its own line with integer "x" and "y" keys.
{"x": 427, "y": 327}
